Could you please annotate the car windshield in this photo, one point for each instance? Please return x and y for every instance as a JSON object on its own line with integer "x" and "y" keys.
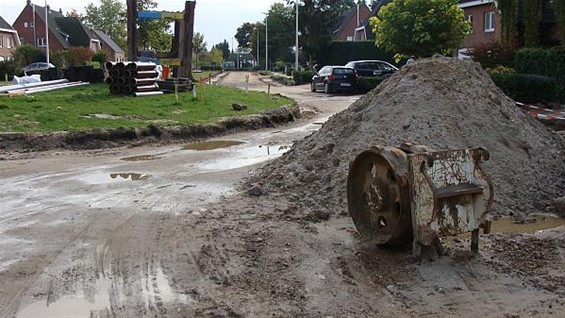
{"x": 343, "y": 71}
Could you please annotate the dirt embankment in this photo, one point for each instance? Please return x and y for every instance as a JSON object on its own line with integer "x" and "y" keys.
{"x": 107, "y": 138}
{"x": 439, "y": 102}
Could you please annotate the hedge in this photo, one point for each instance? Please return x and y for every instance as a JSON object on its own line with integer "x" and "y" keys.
{"x": 528, "y": 88}
{"x": 339, "y": 53}
{"x": 544, "y": 62}
{"x": 302, "y": 77}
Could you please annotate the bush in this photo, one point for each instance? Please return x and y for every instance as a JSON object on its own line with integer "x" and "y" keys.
{"x": 500, "y": 70}
{"x": 302, "y": 77}
{"x": 544, "y": 62}
{"x": 59, "y": 59}
{"x": 9, "y": 68}
{"x": 528, "y": 88}
{"x": 283, "y": 80}
{"x": 211, "y": 68}
{"x": 27, "y": 54}
{"x": 78, "y": 55}
{"x": 100, "y": 57}
{"x": 493, "y": 55}
{"x": 368, "y": 83}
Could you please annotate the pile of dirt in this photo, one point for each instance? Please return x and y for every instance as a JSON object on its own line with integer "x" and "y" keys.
{"x": 439, "y": 102}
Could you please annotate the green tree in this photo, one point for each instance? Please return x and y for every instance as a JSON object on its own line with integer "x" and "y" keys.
{"x": 317, "y": 21}
{"x": 281, "y": 33}
{"x": 243, "y": 34}
{"x": 198, "y": 43}
{"x": 154, "y": 35}
{"x": 223, "y": 47}
{"x": 110, "y": 17}
{"x": 420, "y": 27}
{"x": 27, "y": 54}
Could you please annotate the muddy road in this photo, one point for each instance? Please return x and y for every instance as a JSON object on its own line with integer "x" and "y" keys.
{"x": 170, "y": 231}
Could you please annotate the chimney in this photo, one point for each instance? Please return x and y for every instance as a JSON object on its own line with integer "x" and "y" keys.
{"x": 28, "y": 2}
{"x": 60, "y": 11}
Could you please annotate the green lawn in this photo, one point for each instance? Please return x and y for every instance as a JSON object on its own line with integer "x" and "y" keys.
{"x": 92, "y": 106}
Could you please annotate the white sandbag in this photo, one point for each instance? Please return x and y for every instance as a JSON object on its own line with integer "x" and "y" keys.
{"x": 35, "y": 78}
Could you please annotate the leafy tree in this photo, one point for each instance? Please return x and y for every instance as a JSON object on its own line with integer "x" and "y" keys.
{"x": 243, "y": 33}
{"x": 420, "y": 27}
{"x": 198, "y": 43}
{"x": 214, "y": 57}
{"x": 317, "y": 21}
{"x": 224, "y": 47}
{"x": 27, "y": 54}
{"x": 153, "y": 35}
{"x": 281, "y": 33}
{"x": 110, "y": 17}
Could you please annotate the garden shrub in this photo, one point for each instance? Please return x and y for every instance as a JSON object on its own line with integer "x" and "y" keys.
{"x": 78, "y": 55}
{"x": 528, "y": 88}
{"x": 8, "y": 68}
{"x": 545, "y": 62}
{"x": 302, "y": 77}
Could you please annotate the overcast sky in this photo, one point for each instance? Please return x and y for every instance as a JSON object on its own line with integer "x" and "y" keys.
{"x": 216, "y": 19}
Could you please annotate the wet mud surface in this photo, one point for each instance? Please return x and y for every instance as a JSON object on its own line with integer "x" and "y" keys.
{"x": 173, "y": 232}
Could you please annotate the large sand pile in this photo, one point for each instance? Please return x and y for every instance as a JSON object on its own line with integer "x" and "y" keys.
{"x": 439, "y": 102}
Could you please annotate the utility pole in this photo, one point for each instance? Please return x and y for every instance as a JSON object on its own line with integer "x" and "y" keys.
{"x": 132, "y": 29}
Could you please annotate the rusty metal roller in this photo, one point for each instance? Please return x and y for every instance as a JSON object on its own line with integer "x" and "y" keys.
{"x": 378, "y": 195}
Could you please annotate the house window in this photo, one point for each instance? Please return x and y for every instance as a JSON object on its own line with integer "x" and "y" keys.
{"x": 469, "y": 18}
{"x": 1, "y": 41}
{"x": 9, "y": 42}
{"x": 26, "y": 25}
{"x": 489, "y": 21}
{"x": 41, "y": 42}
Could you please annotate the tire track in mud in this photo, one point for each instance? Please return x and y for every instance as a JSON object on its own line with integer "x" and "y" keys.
{"x": 34, "y": 268}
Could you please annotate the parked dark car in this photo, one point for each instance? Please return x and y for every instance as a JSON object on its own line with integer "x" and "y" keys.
{"x": 334, "y": 78}
{"x": 372, "y": 68}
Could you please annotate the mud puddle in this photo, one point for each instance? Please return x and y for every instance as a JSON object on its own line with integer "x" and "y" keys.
{"x": 245, "y": 156}
{"x": 102, "y": 178}
{"x": 211, "y": 145}
{"x": 528, "y": 225}
{"x": 71, "y": 306}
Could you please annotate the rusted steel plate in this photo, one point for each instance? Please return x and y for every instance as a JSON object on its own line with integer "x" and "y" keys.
{"x": 377, "y": 195}
{"x": 449, "y": 191}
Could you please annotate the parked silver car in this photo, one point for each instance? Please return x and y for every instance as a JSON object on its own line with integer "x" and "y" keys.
{"x": 36, "y": 67}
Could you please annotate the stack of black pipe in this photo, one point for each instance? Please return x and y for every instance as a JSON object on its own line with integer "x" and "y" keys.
{"x": 132, "y": 78}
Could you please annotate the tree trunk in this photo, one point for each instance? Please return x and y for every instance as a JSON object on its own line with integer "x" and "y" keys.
{"x": 132, "y": 29}
{"x": 186, "y": 40}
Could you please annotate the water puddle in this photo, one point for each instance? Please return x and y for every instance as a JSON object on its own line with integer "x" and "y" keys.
{"x": 156, "y": 289}
{"x": 211, "y": 145}
{"x": 141, "y": 158}
{"x": 71, "y": 306}
{"x": 530, "y": 225}
{"x": 102, "y": 178}
{"x": 245, "y": 157}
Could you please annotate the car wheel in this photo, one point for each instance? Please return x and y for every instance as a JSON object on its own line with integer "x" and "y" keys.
{"x": 312, "y": 87}
{"x": 327, "y": 89}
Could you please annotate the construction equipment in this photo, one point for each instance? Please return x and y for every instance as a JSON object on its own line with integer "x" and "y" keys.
{"x": 411, "y": 192}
